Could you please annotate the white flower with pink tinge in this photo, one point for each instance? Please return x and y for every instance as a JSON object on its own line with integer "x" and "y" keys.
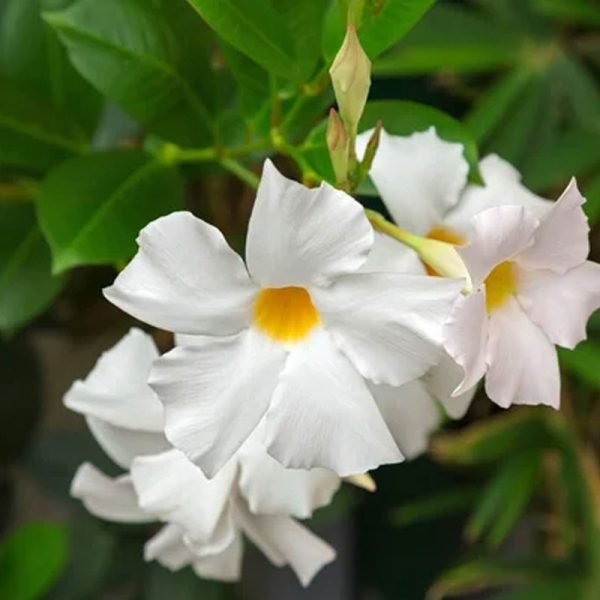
{"x": 203, "y": 518}
{"x": 533, "y": 288}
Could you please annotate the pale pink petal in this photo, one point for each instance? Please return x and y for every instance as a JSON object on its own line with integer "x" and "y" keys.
{"x": 522, "y": 362}
{"x": 561, "y": 304}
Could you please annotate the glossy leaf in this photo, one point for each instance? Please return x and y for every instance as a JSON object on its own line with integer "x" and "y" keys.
{"x": 26, "y": 284}
{"x": 31, "y": 559}
{"x": 383, "y": 24}
{"x": 32, "y": 56}
{"x": 282, "y": 36}
{"x": 34, "y": 135}
{"x": 450, "y": 38}
{"x": 92, "y": 208}
{"x": 125, "y": 49}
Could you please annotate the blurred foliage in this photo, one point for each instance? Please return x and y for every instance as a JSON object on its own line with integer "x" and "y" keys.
{"x": 115, "y": 112}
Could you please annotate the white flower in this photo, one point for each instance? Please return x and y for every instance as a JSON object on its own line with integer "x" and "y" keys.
{"x": 291, "y": 337}
{"x": 204, "y": 519}
{"x": 533, "y": 288}
{"x": 422, "y": 181}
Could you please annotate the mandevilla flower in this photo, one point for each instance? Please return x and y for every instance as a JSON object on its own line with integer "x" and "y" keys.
{"x": 291, "y": 337}
{"x": 533, "y": 288}
{"x": 204, "y": 519}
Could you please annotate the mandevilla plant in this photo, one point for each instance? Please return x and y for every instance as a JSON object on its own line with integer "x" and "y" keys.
{"x": 324, "y": 280}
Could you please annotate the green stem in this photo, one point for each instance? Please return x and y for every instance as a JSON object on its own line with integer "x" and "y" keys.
{"x": 241, "y": 172}
{"x": 380, "y": 223}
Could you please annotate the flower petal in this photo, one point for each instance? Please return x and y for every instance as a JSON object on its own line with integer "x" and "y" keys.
{"x": 419, "y": 177}
{"x": 116, "y": 390}
{"x": 270, "y": 488}
{"x": 388, "y": 324}
{"x": 390, "y": 256}
{"x": 502, "y": 187}
{"x": 298, "y": 235}
{"x": 465, "y": 338}
{"x": 286, "y": 542}
{"x": 185, "y": 278}
{"x": 561, "y": 241}
{"x": 168, "y": 548}
{"x": 522, "y": 362}
{"x": 323, "y": 415}
{"x": 498, "y": 234}
{"x": 174, "y": 490}
{"x": 123, "y": 445}
{"x": 561, "y": 304}
{"x": 443, "y": 379}
{"x": 411, "y": 414}
{"x": 222, "y": 566}
{"x": 215, "y": 393}
{"x": 110, "y": 499}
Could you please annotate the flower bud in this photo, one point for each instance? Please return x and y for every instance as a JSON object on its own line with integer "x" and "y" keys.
{"x": 362, "y": 480}
{"x": 337, "y": 143}
{"x": 351, "y": 77}
{"x": 443, "y": 258}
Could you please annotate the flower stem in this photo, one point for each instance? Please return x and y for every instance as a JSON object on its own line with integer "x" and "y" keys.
{"x": 380, "y": 223}
{"x": 241, "y": 172}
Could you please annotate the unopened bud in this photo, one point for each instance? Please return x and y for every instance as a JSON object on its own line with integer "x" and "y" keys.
{"x": 442, "y": 258}
{"x": 351, "y": 77}
{"x": 362, "y": 480}
{"x": 370, "y": 151}
{"x": 337, "y": 143}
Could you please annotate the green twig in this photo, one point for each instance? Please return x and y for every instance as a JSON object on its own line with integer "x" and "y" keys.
{"x": 240, "y": 171}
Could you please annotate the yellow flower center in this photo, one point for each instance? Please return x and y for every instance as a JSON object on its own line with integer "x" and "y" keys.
{"x": 441, "y": 234}
{"x": 500, "y": 284}
{"x": 285, "y": 314}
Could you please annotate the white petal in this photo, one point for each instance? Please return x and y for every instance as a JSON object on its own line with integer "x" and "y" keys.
{"x": 498, "y": 234}
{"x": 561, "y": 304}
{"x": 443, "y": 379}
{"x": 502, "y": 187}
{"x": 173, "y": 489}
{"x": 323, "y": 415}
{"x": 168, "y": 548}
{"x": 522, "y": 362}
{"x": 215, "y": 393}
{"x": 561, "y": 240}
{"x": 185, "y": 278}
{"x": 270, "y": 488}
{"x": 388, "y": 324}
{"x": 390, "y": 256}
{"x": 222, "y": 566}
{"x": 465, "y": 338}
{"x": 411, "y": 414}
{"x": 123, "y": 445}
{"x": 299, "y": 235}
{"x": 286, "y": 542}
{"x": 418, "y": 177}
{"x": 116, "y": 390}
{"x": 111, "y": 499}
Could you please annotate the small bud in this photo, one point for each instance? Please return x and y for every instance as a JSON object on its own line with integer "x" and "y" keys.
{"x": 337, "y": 143}
{"x": 443, "y": 258}
{"x": 351, "y": 77}
{"x": 371, "y": 150}
{"x": 362, "y": 480}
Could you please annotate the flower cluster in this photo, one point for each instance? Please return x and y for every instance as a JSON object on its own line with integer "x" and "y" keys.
{"x": 330, "y": 350}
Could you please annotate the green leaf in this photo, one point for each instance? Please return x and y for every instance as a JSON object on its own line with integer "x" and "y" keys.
{"x": 34, "y": 135}
{"x": 495, "y": 104}
{"x": 505, "y": 497}
{"x": 26, "y": 285}
{"x": 384, "y": 22}
{"x": 92, "y": 208}
{"x": 479, "y": 575}
{"x": 583, "y": 361}
{"x": 584, "y": 12}
{"x": 494, "y": 438}
{"x": 32, "y": 56}
{"x": 450, "y": 38}
{"x": 125, "y": 49}
{"x": 31, "y": 559}
{"x": 280, "y": 35}
{"x": 592, "y": 194}
{"x": 568, "y": 589}
{"x": 439, "y": 505}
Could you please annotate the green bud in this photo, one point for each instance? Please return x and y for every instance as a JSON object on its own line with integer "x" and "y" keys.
{"x": 351, "y": 77}
{"x": 337, "y": 143}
